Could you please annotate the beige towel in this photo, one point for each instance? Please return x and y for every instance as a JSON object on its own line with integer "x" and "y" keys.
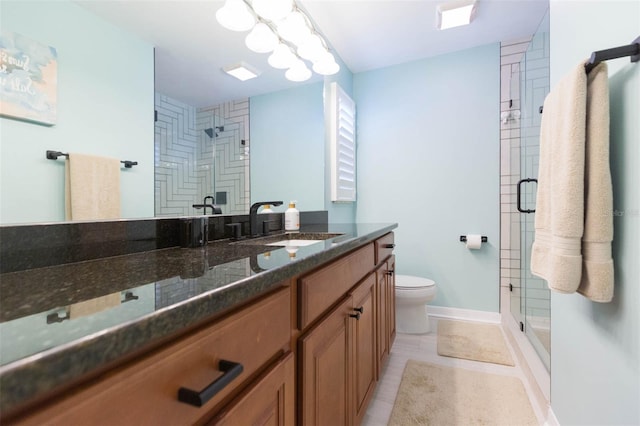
{"x": 92, "y": 306}
{"x": 92, "y": 187}
{"x": 597, "y": 266}
{"x": 574, "y": 188}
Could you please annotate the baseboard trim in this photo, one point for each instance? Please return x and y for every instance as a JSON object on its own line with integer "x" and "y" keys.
{"x": 464, "y": 314}
{"x": 552, "y": 420}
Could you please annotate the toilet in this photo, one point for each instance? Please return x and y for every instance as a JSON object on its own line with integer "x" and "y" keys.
{"x": 412, "y": 295}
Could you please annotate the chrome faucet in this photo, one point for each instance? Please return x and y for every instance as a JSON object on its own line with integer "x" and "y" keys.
{"x": 253, "y": 216}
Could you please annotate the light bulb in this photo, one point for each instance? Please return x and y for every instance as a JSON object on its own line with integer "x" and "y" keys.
{"x": 282, "y": 57}
{"x": 311, "y": 48}
{"x": 272, "y": 10}
{"x": 298, "y": 72}
{"x": 235, "y": 16}
{"x": 326, "y": 65}
{"x": 294, "y": 28}
{"x": 261, "y": 39}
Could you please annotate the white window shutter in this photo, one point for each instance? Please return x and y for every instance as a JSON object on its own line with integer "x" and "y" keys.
{"x": 343, "y": 145}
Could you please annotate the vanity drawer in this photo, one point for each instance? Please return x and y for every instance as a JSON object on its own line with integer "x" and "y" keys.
{"x": 146, "y": 391}
{"x": 384, "y": 247}
{"x": 321, "y": 289}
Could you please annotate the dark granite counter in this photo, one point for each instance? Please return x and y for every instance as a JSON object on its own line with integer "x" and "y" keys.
{"x": 61, "y": 323}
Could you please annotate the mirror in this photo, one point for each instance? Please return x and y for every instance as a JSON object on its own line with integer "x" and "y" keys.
{"x": 106, "y": 98}
{"x": 209, "y": 157}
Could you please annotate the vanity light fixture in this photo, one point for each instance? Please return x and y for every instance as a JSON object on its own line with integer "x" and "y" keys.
{"x": 455, "y": 13}
{"x": 235, "y": 16}
{"x": 242, "y": 71}
{"x": 281, "y": 28}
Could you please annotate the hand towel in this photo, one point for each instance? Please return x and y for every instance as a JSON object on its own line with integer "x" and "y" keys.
{"x": 92, "y": 187}
{"x": 556, "y": 252}
{"x": 574, "y": 221}
{"x": 597, "y": 266}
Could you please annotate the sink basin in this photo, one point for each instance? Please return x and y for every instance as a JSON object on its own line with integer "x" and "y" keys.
{"x": 298, "y": 239}
{"x": 296, "y": 243}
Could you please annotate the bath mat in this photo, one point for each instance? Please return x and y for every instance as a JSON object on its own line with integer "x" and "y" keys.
{"x": 431, "y": 394}
{"x": 474, "y": 341}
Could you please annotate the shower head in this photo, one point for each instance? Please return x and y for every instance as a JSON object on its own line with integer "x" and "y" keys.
{"x": 209, "y": 132}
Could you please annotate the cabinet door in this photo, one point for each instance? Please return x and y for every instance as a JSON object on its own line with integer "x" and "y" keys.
{"x": 391, "y": 300}
{"x": 382, "y": 302}
{"x": 270, "y": 401}
{"x": 325, "y": 354}
{"x": 363, "y": 369}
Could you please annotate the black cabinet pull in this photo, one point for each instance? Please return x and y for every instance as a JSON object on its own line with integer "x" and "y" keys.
{"x": 230, "y": 369}
{"x": 360, "y": 309}
{"x": 356, "y": 316}
{"x": 390, "y": 246}
{"x": 389, "y": 272}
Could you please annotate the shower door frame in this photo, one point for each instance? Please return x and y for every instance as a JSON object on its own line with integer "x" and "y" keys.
{"x": 535, "y": 310}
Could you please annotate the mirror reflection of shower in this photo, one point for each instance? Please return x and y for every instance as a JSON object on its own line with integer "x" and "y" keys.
{"x": 201, "y": 152}
{"x": 210, "y": 131}
{"x": 224, "y": 162}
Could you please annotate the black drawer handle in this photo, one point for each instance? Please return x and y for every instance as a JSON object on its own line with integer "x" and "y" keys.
{"x": 360, "y": 309}
{"x": 356, "y": 316}
{"x": 389, "y": 246}
{"x": 230, "y": 369}
{"x": 389, "y": 272}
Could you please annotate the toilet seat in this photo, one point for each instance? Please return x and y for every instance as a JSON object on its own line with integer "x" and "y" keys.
{"x": 409, "y": 282}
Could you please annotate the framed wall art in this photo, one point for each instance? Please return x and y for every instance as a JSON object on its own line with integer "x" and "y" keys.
{"x": 28, "y": 79}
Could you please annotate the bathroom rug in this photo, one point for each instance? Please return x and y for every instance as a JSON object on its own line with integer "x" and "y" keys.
{"x": 432, "y": 394}
{"x": 474, "y": 341}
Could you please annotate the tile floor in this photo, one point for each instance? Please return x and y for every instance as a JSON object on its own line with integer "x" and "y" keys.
{"x": 424, "y": 348}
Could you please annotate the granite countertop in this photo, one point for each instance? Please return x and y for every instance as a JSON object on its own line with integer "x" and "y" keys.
{"x": 61, "y": 323}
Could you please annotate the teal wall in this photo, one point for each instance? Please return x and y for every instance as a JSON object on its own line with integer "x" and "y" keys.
{"x": 595, "y": 348}
{"x": 287, "y": 147}
{"x": 105, "y": 107}
{"x": 290, "y": 147}
{"x": 428, "y": 158}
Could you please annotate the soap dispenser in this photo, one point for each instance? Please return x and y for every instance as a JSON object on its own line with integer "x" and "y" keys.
{"x": 267, "y": 209}
{"x": 292, "y": 218}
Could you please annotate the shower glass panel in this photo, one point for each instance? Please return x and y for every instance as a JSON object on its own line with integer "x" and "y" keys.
{"x": 224, "y": 168}
{"x": 534, "y": 309}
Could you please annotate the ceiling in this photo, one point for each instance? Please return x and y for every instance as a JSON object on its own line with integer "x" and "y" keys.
{"x": 191, "y": 47}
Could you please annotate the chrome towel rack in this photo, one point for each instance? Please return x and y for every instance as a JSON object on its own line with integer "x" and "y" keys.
{"x": 53, "y": 155}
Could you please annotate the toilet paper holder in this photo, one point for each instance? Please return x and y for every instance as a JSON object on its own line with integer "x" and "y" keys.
{"x": 463, "y": 239}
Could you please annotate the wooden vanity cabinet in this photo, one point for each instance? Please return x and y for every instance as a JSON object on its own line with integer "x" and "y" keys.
{"x": 364, "y": 365}
{"x": 325, "y": 355}
{"x": 386, "y": 300}
{"x": 145, "y": 391}
{"x": 338, "y": 364}
{"x": 270, "y": 401}
{"x": 311, "y": 354}
{"x": 342, "y": 353}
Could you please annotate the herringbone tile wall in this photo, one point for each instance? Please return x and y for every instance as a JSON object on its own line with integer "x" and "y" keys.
{"x": 186, "y": 166}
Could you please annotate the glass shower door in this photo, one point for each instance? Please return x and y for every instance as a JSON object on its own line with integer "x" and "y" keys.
{"x": 223, "y": 163}
{"x": 535, "y": 295}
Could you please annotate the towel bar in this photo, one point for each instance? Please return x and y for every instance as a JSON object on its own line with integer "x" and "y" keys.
{"x": 632, "y": 50}
{"x": 53, "y": 155}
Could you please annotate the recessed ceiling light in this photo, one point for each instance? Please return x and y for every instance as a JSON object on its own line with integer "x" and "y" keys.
{"x": 242, "y": 71}
{"x": 455, "y": 13}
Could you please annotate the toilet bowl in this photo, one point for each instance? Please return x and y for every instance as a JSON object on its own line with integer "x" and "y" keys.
{"x": 412, "y": 295}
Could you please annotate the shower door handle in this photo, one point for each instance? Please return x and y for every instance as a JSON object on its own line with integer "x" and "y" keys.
{"x": 518, "y": 191}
